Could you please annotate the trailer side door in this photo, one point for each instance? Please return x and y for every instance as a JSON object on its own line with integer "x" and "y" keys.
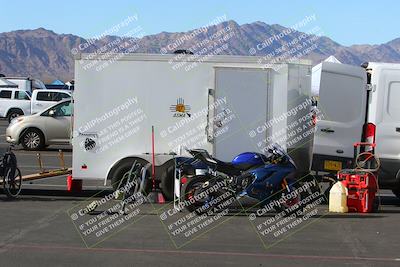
{"x": 240, "y": 102}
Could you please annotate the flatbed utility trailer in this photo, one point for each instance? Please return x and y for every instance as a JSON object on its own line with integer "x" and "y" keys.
{"x": 224, "y": 104}
{"x": 11, "y": 177}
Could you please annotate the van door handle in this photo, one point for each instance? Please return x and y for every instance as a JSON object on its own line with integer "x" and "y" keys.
{"x": 327, "y": 130}
{"x": 398, "y": 129}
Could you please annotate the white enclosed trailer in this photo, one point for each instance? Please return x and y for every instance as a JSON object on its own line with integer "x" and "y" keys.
{"x": 225, "y": 104}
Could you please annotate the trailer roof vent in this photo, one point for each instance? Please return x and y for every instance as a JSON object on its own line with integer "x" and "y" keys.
{"x": 183, "y": 51}
{"x": 364, "y": 65}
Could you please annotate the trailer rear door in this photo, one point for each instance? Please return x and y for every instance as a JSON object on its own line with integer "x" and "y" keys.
{"x": 240, "y": 102}
{"x": 342, "y": 103}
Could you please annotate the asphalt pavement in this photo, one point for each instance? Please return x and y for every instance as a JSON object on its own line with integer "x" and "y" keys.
{"x": 47, "y": 227}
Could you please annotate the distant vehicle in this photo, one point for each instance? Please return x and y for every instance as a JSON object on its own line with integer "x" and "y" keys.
{"x": 25, "y": 83}
{"x": 16, "y": 102}
{"x": 359, "y": 104}
{"x": 51, "y": 126}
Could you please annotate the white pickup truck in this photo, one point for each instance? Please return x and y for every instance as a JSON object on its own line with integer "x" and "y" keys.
{"x": 15, "y": 102}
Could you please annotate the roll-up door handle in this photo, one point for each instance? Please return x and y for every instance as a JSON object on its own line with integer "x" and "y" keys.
{"x": 327, "y": 130}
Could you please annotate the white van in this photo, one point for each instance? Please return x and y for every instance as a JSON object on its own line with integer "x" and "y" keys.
{"x": 16, "y": 102}
{"x": 359, "y": 104}
{"x": 225, "y": 104}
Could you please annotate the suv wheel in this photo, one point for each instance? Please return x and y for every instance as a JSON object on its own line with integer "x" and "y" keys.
{"x": 32, "y": 139}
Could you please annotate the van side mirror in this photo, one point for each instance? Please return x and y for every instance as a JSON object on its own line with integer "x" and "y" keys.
{"x": 52, "y": 113}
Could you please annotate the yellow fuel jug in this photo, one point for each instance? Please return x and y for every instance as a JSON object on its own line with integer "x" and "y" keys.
{"x": 338, "y": 198}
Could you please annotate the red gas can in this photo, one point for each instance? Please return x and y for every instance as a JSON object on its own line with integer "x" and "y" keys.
{"x": 362, "y": 187}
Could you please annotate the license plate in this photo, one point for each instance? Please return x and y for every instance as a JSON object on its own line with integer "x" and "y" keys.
{"x": 332, "y": 165}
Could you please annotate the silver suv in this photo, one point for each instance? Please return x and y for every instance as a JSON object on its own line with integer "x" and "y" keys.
{"x": 51, "y": 126}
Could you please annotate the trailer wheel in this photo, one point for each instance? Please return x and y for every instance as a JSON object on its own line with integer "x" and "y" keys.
{"x": 167, "y": 183}
{"x": 118, "y": 172}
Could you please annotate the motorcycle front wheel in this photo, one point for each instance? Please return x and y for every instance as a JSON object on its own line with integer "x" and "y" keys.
{"x": 289, "y": 200}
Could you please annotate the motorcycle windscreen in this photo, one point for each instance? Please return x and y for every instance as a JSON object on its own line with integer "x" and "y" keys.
{"x": 240, "y": 103}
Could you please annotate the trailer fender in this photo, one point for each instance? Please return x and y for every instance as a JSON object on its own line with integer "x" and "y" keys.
{"x": 122, "y": 166}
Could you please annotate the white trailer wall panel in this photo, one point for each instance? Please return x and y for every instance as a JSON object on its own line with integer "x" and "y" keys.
{"x": 151, "y": 85}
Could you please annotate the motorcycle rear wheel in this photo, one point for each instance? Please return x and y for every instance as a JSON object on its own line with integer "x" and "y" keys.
{"x": 193, "y": 201}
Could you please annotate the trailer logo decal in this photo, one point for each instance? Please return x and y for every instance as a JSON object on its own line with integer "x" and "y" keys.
{"x": 180, "y": 109}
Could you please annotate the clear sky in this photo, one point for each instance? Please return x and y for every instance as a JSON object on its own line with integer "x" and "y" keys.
{"x": 345, "y": 21}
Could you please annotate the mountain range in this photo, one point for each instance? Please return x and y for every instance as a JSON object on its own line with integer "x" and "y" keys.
{"x": 44, "y": 54}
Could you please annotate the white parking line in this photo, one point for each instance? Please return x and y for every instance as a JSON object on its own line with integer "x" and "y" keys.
{"x": 66, "y": 154}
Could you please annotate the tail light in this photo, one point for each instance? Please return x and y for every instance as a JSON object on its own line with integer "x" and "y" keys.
{"x": 314, "y": 119}
{"x": 184, "y": 180}
{"x": 369, "y": 134}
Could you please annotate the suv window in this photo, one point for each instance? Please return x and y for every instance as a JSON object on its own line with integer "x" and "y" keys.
{"x": 61, "y": 110}
{"x": 51, "y": 96}
{"x": 5, "y": 94}
{"x": 21, "y": 95}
